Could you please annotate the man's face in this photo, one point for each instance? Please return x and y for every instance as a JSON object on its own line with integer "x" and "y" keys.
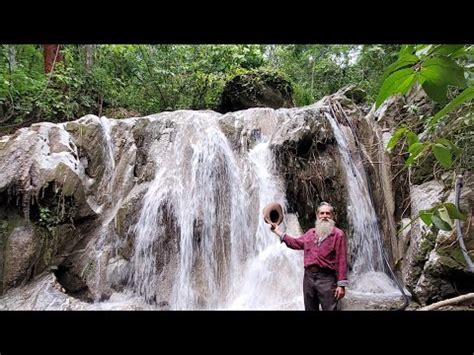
{"x": 324, "y": 213}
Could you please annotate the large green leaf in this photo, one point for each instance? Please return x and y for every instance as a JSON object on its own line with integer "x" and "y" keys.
{"x": 398, "y": 82}
{"x": 453, "y": 212}
{"x": 442, "y": 154}
{"x": 406, "y": 50}
{"x": 443, "y": 71}
{"x": 425, "y": 216}
{"x": 440, "y": 224}
{"x": 436, "y": 91}
{"x": 461, "y": 52}
{"x": 458, "y": 100}
{"x": 447, "y": 49}
{"x": 404, "y": 61}
{"x": 412, "y": 138}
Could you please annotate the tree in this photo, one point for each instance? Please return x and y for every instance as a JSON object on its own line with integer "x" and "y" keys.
{"x": 89, "y": 48}
{"x": 52, "y": 55}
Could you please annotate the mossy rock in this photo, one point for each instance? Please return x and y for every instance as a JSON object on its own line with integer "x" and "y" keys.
{"x": 427, "y": 243}
{"x": 256, "y": 89}
{"x": 452, "y": 257}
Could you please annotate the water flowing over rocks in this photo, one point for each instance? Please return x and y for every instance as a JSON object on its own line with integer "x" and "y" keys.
{"x": 165, "y": 211}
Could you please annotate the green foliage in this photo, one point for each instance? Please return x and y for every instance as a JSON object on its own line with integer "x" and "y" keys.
{"x": 139, "y": 78}
{"x": 466, "y": 95}
{"x": 399, "y": 81}
{"x": 443, "y": 149}
{"x": 438, "y": 68}
{"x": 432, "y": 66}
{"x": 441, "y": 216}
{"x": 319, "y": 70}
{"x": 48, "y": 218}
{"x": 146, "y": 79}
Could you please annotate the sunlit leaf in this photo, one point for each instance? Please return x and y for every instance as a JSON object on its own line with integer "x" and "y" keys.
{"x": 412, "y": 138}
{"x": 398, "y": 82}
{"x": 425, "y": 217}
{"x": 443, "y": 71}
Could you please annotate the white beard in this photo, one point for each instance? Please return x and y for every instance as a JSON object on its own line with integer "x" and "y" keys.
{"x": 323, "y": 228}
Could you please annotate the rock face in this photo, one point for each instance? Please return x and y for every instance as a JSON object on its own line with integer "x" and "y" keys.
{"x": 71, "y": 196}
{"x": 256, "y": 89}
{"x": 435, "y": 268}
{"x": 429, "y": 261}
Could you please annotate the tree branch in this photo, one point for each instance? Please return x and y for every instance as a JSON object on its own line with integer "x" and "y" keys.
{"x": 455, "y": 300}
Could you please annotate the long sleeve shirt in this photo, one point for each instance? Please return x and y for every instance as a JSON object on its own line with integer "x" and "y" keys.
{"x": 330, "y": 253}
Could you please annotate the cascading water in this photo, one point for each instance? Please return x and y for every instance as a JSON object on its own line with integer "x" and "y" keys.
{"x": 227, "y": 257}
{"x": 368, "y": 275}
{"x": 367, "y": 239}
{"x": 263, "y": 286}
{"x": 199, "y": 240}
{"x": 197, "y": 196}
{"x": 109, "y": 145}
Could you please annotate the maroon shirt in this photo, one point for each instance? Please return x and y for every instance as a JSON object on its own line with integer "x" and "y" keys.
{"x": 330, "y": 254}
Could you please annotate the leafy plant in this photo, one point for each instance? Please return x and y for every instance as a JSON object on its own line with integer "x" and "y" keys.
{"x": 437, "y": 68}
{"x": 48, "y": 218}
{"x": 441, "y": 216}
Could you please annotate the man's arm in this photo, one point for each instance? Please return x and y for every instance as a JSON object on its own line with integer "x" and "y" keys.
{"x": 296, "y": 243}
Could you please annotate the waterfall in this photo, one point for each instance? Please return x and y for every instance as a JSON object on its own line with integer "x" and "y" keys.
{"x": 197, "y": 199}
{"x": 191, "y": 187}
{"x": 109, "y": 145}
{"x": 368, "y": 270}
{"x": 210, "y": 201}
{"x": 271, "y": 279}
{"x": 366, "y": 236}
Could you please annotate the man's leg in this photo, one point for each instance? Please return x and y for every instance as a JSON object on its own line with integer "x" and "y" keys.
{"x": 311, "y": 300}
{"x": 326, "y": 287}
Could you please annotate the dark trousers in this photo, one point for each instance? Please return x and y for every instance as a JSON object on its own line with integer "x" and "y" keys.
{"x": 319, "y": 288}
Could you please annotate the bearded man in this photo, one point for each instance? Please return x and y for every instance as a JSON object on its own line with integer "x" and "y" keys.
{"x": 325, "y": 260}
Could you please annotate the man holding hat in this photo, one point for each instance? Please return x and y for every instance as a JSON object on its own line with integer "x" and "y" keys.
{"x": 325, "y": 260}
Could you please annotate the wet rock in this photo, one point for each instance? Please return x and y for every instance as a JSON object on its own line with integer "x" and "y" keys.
{"x": 118, "y": 271}
{"x": 19, "y": 255}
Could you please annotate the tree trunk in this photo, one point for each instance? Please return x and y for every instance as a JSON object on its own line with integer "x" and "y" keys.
{"x": 89, "y": 56}
{"x": 52, "y": 54}
{"x": 11, "y": 56}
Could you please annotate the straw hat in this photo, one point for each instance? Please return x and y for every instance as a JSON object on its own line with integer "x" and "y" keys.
{"x": 273, "y": 213}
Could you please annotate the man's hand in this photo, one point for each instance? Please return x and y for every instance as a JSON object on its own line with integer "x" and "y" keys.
{"x": 340, "y": 292}
{"x": 276, "y": 229}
